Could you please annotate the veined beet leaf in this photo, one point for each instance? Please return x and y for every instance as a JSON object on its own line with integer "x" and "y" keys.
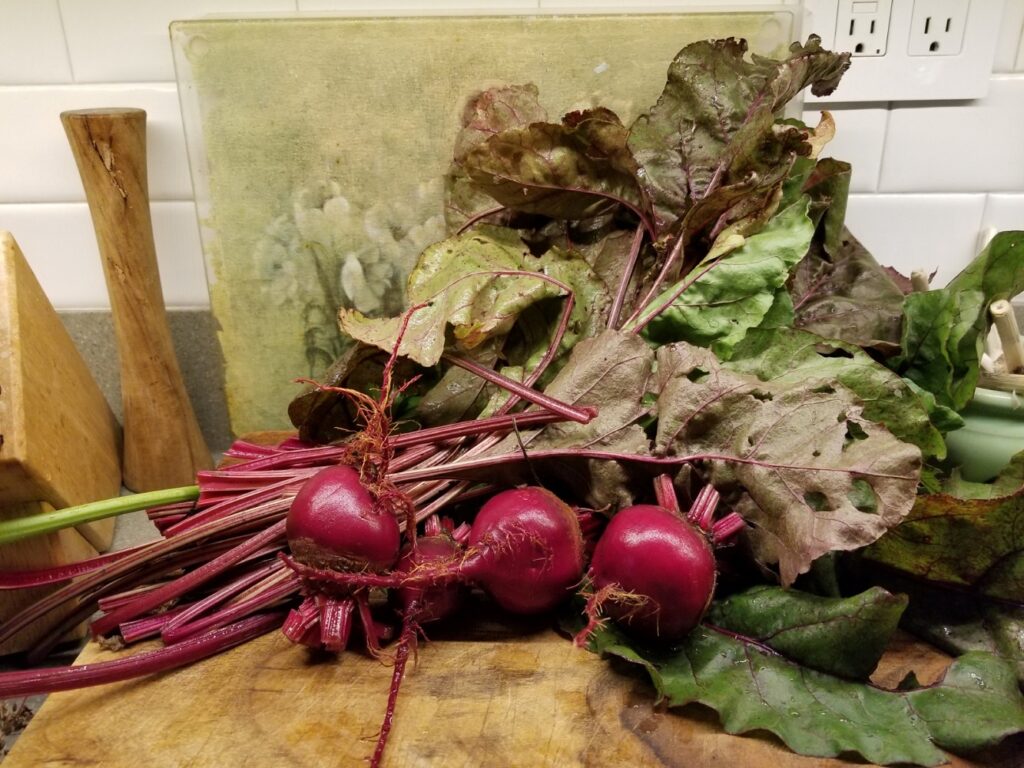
{"x": 486, "y": 114}
{"x": 463, "y": 282}
{"x": 714, "y": 125}
{"x": 843, "y": 636}
{"x": 722, "y": 299}
{"x": 944, "y": 329}
{"x": 807, "y": 470}
{"x": 785, "y": 355}
{"x": 963, "y": 540}
{"x": 846, "y": 295}
{"x": 976, "y": 704}
{"x": 576, "y": 169}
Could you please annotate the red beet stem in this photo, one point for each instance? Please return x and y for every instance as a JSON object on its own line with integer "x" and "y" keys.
{"x": 274, "y": 589}
{"x": 506, "y": 422}
{"x": 197, "y": 609}
{"x": 234, "y": 504}
{"x": 48, "y": 576}
{"x": 726, "y": 528}
{"x": 627, "y": 274}
{"x": 335, "y": 622}
{"x": 138, "y": 559}
{"x": 36, "y": 681}
{"x": 703, "y": 508}
{"x": 665, "y": 493}
{"x": 571, "y": 412}
{"x": 189, "y": 581}
{"x": 301, "y": 621}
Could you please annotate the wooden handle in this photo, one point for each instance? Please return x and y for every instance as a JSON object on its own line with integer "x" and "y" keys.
{"x": 163, "y": 446}
{"x": 1009, "y": 335}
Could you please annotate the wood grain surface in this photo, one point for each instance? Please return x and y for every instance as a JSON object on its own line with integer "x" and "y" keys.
{"x": 481, "y": 694}
{"x": 60, "y": 441}
{"x": 60, "y": 548}
{"x": 163, "y": 446}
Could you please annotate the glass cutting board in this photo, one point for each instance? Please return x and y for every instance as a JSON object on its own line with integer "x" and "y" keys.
{"x": 319, "y": 148}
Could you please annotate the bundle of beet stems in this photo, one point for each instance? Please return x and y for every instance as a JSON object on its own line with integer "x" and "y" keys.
{"x": 220, "y": 575}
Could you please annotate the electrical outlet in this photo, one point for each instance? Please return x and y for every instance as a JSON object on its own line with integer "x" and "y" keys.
{"x": 959, "y": 68}
{"x": 862, "y": 26}
{"x": 937, "y": 27}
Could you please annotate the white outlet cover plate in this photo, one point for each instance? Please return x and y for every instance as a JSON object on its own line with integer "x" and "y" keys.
{"x": 898, "y": 76}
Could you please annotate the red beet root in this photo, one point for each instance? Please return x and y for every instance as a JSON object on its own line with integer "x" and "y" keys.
{"x": 529, "y": 550}
{"x": 659, "y": 570}
{"x": 334, "y": 523}
{"x": 430, "y": 602}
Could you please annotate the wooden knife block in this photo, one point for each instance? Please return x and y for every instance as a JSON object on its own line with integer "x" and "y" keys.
{"x": 59, "y": 440}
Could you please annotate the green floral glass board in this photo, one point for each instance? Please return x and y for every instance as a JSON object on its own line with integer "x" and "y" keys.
{"x": 319, "y": 148}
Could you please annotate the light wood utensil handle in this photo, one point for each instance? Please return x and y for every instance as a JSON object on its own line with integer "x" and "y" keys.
{"x": 163, "y": 446}
{"x": 1009, "y": 334}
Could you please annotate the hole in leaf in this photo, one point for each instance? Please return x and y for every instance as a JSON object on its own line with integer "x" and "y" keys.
{"x": 854, "y": 431}
{"x": 696, "y": 375}
{"x": 827, "y": 350}
{"x": 824, "y": 389}
{"x": 816, "y": 500}
{"x": 762, "y": 395}
{"x": 863, "y": 497}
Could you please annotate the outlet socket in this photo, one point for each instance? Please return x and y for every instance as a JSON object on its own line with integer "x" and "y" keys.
{"x": 960, "y": 69}
{"x": 862, "y": 26}
{"x": 937, "y": 27}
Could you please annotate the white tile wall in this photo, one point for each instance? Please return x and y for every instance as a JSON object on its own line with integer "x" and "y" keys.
{"x": 859, "y": 139}
{"x": 1003, "y": 212}
{"x": 911, "y": 232}
{"x": 976, "y": 146}
{"x": 36, "y": 159}
{"x": 127, "y": 40}
{"x": 32, "y": 48}
{"x": 1010, "y": 37}
{"x": 59, "y": 243}
{"x": 927, "y": 179}
{"x": 412, "y": 6}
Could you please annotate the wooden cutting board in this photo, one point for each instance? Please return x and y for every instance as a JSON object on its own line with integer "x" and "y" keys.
{"x": 60, "y": 442}
{"x": 500, "y": 696}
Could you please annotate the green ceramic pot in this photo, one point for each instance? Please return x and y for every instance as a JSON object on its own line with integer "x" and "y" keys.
{"x": 993, "y": 432}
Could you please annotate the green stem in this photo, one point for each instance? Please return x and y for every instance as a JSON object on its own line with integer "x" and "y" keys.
{"x": 48, "y": 522}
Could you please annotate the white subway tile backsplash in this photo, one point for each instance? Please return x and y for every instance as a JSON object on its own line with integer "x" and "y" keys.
{"x": 1003, "y": 212}
{"x": 32, "y": 48}
{"x": 127, "y": 40}
{"x": 860, "y": 134}
{"x": 422, "y": 6}
{"x": 60, "y": 245}
{"x": 911, "y": 232}
{"x": 36, "y": 159}
{"x": 958, "y": 147}
{"x": 1010, "y": 32}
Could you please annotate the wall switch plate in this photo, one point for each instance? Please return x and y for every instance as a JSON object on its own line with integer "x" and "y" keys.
{"x": 862, "y": 26}
{"x": 915, "y": 63}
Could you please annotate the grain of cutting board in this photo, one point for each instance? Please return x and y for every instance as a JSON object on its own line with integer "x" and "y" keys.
{"x": 60, "y": 441}
{"x": 486, "y": 695}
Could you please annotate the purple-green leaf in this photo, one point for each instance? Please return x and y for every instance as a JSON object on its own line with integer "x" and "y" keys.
{"x": 804, "y": 467}
{"x": 714, "y": 124}
{"x": 576, "y": 169}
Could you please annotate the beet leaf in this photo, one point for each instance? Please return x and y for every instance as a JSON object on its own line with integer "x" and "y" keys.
{"x": 714, "y": 124}
{"x": 812, "y": 475}
{"x": 786, "y": 355}
{"x": 839, "y": 636}
{"x": 752, "y": 688}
